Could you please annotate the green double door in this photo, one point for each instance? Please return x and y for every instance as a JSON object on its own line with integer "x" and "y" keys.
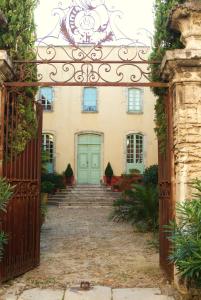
{"x": 89, "y": 159}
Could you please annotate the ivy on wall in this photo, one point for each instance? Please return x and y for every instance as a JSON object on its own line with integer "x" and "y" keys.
{"x": 18, "y": 38}
{"x": 164, "y": 39}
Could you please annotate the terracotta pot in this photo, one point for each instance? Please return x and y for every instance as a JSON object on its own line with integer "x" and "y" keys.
{"x": 108, "y": 180}
{"x": 69, "y": 180}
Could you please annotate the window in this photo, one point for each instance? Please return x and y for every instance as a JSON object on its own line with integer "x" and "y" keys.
{"x": 90, "y": 100}
{"x": 134, "y": 100}
{"x": 135, "y": 152}
{"x": 48, "y": 147}
{"x": 46, "y": 98}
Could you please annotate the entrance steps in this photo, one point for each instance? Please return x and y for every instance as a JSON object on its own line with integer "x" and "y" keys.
{"x": 84, "y": 195}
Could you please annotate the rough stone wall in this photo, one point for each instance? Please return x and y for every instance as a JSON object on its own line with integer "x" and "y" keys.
{"x": 187, "y": 136}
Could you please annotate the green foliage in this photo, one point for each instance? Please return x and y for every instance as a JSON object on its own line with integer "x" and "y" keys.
{"x": 55, "y": 179}
{"x": 150, "y": 175}
{"x": 18, "y": 38}
{"x": 139, "y": 206}
{"x": 43, "y": 207}
{"x": 3, "y": 242}
{"x": 108, "y": 170}
{"x": 47, "y": 187}
{"x": 69, "y": 171}
{"x": 164, "y": 39}
{"x": 6, "y": 192}
{"x": 185, "y": 236}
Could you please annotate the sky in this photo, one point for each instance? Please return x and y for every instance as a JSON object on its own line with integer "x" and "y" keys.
{"x": 136, "y": 14}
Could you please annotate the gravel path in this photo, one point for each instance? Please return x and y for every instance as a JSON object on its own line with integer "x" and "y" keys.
{"x": 83, "y": 244}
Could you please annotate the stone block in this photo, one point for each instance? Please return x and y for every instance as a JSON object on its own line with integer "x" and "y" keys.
{"x": 96, "y": 293}
{"x": 42, "y": 294}
{"x": 139, "y": 294}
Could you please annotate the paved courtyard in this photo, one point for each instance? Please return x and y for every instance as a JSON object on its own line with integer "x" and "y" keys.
{"x": 83, "y": 244}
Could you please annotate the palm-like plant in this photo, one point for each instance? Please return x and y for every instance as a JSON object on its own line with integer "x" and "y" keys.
{"x": 185, "y": 235}
{"x": 6, "y": 192}
{"x": 139, "y": 206}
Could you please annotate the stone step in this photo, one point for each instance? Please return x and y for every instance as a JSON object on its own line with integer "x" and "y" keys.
{"x": 85, "y": 190}
{"x": 83, "y": 200}
{"x": 83, "y": 196}
{"x": 79, "y": 204}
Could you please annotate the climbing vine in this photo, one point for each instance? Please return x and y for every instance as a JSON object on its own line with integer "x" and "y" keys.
{"x": 18, "y": 38}
{"x": 164, "y": 39}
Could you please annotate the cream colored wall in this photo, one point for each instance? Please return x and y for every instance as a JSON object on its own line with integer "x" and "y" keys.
{"x": 112, "y": 119}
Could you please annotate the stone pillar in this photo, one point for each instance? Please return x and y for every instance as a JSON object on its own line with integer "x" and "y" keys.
{"x": 182, "y": 68}
{"x": 6, "y": 74}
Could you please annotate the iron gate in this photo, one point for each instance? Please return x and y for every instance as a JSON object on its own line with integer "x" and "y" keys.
{"x": 22, "y": 221}
{"x": 166, "y": 185}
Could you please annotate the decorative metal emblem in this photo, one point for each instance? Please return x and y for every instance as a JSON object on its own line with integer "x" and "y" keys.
{"x": 87, "y": 22}
{"x": 91, "y": 22}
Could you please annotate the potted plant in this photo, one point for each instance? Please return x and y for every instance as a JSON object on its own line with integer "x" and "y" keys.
{"x": 108, "y": 173}
{"x": 69, "y": 174}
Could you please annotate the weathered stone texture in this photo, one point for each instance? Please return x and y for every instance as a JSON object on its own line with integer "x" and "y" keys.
{"x": 187, "y": 132}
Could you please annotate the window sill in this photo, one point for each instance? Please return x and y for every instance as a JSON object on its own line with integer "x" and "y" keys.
{"x": 48, "y": 110}
{"x": 135, "y": 112}
{"x": 89, "y": 112}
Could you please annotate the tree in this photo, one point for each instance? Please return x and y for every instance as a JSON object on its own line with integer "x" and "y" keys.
{"x": 18, "y": 38}
{"x": 164, "y": 39}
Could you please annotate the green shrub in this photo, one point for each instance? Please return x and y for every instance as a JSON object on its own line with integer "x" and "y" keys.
{"x": 108, "y": 170}
{"x": 185, "y": 236}
{"x": 69, "y": 171}
{"x": 47, "y": 187}
{"x": 150, "y": 175}
{"x": 139, "y": 206}
{"x": 55, "y": 179}
{"x": 43, "y": 207}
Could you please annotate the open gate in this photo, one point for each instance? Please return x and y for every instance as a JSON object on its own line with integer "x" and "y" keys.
{"x": 166, "y": 186}
{"x": 22, "y": 221}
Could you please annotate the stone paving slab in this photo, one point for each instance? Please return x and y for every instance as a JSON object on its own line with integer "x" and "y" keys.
{"x": 41, "y": 294}
{"x": 96, "y": 293}
{"x": 139, "y": 294}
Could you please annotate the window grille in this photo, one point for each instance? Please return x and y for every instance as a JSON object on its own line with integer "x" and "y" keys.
{"x": 135, "y": 148}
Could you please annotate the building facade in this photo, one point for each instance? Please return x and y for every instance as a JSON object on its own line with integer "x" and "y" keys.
{"x": 91, "y": 126}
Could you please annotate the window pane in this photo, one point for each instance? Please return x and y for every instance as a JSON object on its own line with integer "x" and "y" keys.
{"x": 90, "y": 99}
{"x": 46, "y": 97}
{"x": 135, "y": 148}
{"x": 134, "y": 100}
